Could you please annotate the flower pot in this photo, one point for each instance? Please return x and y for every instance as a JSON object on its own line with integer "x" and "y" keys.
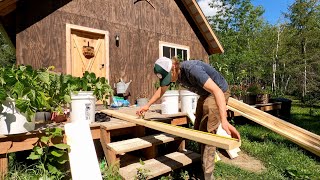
{"x": 42, "y": 116}
{"x": 12, "y": 121}
{"x": 262, "y": 98}
{"x": 250, "y": 99}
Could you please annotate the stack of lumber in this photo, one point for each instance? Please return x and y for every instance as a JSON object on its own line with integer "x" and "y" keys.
{"x": 302, "y": 137}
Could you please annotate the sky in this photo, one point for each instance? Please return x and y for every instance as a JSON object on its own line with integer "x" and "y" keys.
{"x": 273, "y": 8}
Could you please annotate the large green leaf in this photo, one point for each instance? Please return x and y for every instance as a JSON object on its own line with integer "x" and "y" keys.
{"x": 57, "y": 152}
{"x": 22, "y": 104}
{"x": 45, "y": 139}
{"x": 38, "y": 150}
{"x": 44, "y": 77}
{"x": 18, "y": 88}
{"x": 61, "y": 146}
{"x": 52, "y": 169}
{"x": 67, "y": 98}
{"x": 56, "y": 132}
{"x": 63, "y": 159}
{"x": 33, "y": 156}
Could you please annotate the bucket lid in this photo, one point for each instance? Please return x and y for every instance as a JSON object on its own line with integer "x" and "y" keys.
{"x": 82, "y": 96}
{"x": 82, "y": 93}
{"x": 187, "y": 92}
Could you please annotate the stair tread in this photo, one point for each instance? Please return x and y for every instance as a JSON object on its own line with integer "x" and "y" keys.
{"x": 140, "y": 143}
{"x": 160, "y": 165}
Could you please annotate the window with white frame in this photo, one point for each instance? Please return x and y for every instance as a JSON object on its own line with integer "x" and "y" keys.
{"x": 170, "y": 50}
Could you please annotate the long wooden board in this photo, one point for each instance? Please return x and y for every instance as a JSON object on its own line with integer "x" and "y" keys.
{"x": 84, "y": 163}
{"x": 300, "y": 136}
{"x": 199, "y": 136}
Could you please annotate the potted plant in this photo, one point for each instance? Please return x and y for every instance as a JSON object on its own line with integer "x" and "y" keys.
{"x": 68, "y": 87}
{"x": 238, "y": 92}
{"x": 257, "y": 94}
{"x": 21, "y": 97}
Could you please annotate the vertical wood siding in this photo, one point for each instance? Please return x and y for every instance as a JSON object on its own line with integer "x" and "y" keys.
{"x": 42, "y": 42}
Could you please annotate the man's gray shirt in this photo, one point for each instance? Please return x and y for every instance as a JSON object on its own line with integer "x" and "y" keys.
{"x": 194, "y": 74}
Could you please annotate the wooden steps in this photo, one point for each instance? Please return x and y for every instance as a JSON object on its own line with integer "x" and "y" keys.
{"x": 161, "y": 165}
{"x": 129, "y": 145}
{"x": 133, "y": 146}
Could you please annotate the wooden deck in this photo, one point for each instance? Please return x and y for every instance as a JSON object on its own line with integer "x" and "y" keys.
{"x": 102, "y": 130}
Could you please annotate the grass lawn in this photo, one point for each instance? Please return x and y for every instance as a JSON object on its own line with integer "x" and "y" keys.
{"x": 282, "y": 158}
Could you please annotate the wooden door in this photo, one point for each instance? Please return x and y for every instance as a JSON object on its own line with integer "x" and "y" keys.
{"x": 80, "y": 63}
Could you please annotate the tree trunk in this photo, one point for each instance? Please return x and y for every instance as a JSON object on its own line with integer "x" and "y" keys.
{"x": 304, "y": 51}
{"x": 274, "y": 66}
{"x": 287, "y": 82}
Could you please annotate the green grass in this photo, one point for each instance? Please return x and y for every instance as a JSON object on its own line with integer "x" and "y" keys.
{"x": 282, "y": 158}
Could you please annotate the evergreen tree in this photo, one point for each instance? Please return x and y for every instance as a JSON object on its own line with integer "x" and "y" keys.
{"x": 303, "y": 45}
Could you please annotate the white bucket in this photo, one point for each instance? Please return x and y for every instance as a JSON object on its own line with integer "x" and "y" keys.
{"x": 170, "y": 102}
{"x": 188, "y": 101}
{"x": 83, "y": 107}
{"x": 12, "y": 121}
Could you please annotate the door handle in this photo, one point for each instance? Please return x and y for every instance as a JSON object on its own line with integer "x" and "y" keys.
{"x": 102, "y": 66}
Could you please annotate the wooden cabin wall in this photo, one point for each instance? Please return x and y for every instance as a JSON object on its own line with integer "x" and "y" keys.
{"x": 139, "y": 26}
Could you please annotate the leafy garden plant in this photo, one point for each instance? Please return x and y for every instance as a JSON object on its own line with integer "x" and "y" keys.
{"x": 23, "y": 85}
{"x": 45, "y": 90}
{"x": 51, "y": 153}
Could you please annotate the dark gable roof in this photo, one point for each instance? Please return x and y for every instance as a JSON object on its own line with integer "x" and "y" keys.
{"x": 208, "y": 38}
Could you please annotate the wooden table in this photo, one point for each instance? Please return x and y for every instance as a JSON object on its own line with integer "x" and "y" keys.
{"x": 25, "y": 141}
{"x": 263, "y": 107}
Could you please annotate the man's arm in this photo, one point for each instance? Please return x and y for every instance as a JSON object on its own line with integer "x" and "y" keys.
{"x": 214, "y": 89}
{"x": 157, "y": 95}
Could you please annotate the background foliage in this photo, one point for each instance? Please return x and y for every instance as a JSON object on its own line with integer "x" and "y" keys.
{"x": 284, "y": 57}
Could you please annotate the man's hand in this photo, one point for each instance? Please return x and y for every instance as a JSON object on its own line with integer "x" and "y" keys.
{"x": 231, "y": 130}
{"x": 142, "y": 110}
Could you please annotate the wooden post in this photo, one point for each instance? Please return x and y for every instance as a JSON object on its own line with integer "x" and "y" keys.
{"x": 139, "y": 131}
{"x": 3, "y": 165}
{"x": 105, "y": 138}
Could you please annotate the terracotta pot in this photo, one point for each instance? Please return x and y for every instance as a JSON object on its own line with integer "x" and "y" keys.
{"x": 58, "y": 118}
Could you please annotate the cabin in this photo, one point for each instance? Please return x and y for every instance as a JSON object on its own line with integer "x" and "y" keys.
{"x": 117, "y": 39}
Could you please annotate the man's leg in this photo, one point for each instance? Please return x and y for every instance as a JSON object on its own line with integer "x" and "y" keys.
{"x": 211, "y": 125}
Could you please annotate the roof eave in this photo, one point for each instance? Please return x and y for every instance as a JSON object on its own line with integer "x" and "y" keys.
{"x": 200, "y": 20}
